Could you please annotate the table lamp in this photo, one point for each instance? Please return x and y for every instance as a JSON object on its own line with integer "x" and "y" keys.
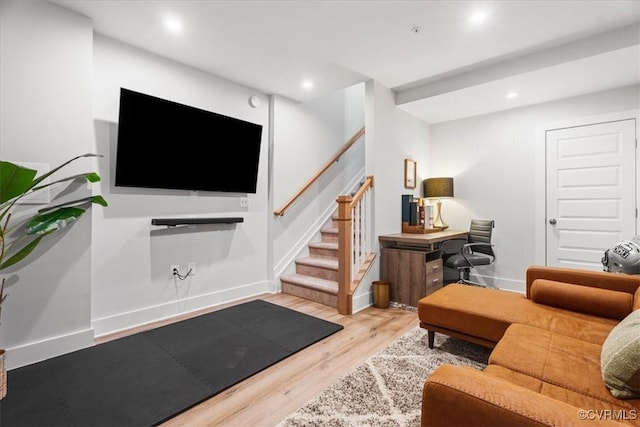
{"x": 438, "y": 188}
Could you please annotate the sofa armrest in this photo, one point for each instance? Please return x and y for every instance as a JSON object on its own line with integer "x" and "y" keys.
{"x": 464, "y": 396}
{"x": 597, "y": 279}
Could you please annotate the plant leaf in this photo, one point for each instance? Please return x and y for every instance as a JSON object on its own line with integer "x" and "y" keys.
{"x": 99, "y": 200}
{"x": 14, "y": 180}
{"x": 89, "y": 199}
{"x": 26, "y": 250}
{"x": 52, "y": 171}
{"x": 89, "y": 176}
{"x": 53, "y": 220}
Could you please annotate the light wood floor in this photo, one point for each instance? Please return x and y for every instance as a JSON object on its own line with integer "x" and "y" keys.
{"x": 268, "y": 397}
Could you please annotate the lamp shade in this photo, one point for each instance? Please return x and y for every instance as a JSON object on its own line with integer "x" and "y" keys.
{"x": 435, "y": 188}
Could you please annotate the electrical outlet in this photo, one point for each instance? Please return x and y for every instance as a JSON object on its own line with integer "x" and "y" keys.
{"x": 172, "y": 268}
{"x": 244, "y": 202}
{"x": 191, "y": 268}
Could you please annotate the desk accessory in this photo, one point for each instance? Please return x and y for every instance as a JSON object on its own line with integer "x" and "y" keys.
{"x": 438, "y": 188}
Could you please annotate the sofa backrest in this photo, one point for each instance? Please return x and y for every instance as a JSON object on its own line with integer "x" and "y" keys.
{"x": 619, "y": 282}
{"x": 582, "y": 299}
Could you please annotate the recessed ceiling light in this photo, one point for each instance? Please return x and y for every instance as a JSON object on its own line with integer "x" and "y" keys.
{"x": 172, "y": 24}
{"x": 512, "y": 95}
{"x": 307, "y": 84}
{"x": 478, "y": 17}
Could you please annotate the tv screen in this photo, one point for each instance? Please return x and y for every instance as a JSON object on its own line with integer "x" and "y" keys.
{"x": 164, "y": 144}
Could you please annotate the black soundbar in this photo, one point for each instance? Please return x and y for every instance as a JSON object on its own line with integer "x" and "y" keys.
{"x": 172, "y": 222}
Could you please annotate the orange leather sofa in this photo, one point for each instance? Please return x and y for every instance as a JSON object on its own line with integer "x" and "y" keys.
{"x": 545, "y": 366}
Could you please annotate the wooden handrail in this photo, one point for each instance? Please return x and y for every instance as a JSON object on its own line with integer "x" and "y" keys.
{"x": 368, "y": 183}
{"x": 314, "y": 178}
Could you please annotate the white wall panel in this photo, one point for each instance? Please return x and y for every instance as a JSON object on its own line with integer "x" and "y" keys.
{"x": 131, "y": 257}
{"x": 45, "y": 111}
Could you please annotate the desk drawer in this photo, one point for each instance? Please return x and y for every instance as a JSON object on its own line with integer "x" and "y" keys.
{"x": 433, "y": 276}
{"x": 412, "y": 273}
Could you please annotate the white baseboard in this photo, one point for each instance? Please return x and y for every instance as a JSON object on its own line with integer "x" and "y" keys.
{"x": 360, "y": 302}
{"x": 499, "y": 283}
{"x": 122, "y": 321}
{"x": 45, "y": 349}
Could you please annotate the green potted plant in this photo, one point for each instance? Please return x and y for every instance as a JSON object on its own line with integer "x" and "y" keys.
{"x": 19, "y": 240}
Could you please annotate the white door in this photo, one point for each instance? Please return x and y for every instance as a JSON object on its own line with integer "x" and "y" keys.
{"x": 591, "y": 192}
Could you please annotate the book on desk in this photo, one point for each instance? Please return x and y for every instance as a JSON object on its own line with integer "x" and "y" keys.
{"x": 417, "y": 217}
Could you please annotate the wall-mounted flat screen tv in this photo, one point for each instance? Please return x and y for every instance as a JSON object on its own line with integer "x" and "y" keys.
{"x": 165, "y": 144}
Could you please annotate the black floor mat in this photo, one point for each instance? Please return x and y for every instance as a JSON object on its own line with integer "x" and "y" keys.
{"x": 147, "y": 378}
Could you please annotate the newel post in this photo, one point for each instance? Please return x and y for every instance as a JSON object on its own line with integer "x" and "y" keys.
{"x": 344, "y": 251}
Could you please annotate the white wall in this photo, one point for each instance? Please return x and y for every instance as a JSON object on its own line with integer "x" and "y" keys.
{"x": 109, "y": 271}
{"x": 60, "y": 94}
{"x": 45, "y": 116}
{"x": 392, "y": 136}
{"x": 493, "y": 161}
{"x": 131, "y": 284}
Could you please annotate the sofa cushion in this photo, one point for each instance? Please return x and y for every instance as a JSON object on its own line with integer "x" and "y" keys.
{"x": 583, "y": 299}
{"x": 464, "y": 396}
{"x": 487, "y": 313}
{"x": 479, "y": 312}
{"x": 598, "y": 279}
{"x": 576, "y": 325}
{"x": 573, "y": 398}
{"x": 620, "y": 358}
{"x": 553, "y": 358}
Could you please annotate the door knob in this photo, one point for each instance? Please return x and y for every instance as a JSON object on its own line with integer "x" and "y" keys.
{"x": 552, "y": 221}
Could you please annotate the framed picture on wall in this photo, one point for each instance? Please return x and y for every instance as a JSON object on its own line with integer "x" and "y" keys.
{"x": 409, "y": 173}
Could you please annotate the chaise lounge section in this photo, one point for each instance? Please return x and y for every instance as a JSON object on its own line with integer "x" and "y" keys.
{"x": 549, "y": 349}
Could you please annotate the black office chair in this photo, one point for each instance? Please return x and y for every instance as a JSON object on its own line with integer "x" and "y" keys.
{"x": 475, "y": 250}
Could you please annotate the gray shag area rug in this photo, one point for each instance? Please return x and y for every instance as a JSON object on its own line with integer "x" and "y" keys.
{"x": 386, "y": 390}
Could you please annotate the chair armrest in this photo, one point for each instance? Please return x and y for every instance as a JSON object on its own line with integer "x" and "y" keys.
{"x": 464, "y": 396}
{"x": 597, "y": 279}
{"x": 467, "y": 250}
{"x": 468, "y": 247}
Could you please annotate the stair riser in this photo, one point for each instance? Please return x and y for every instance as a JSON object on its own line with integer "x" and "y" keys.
{"x": 329, "y": 237}
{"x": 309, "y": 294}
{"x": 323, "y": 253}
{"x": 319, "y": 272}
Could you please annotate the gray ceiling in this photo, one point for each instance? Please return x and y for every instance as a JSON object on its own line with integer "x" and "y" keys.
{"x": 440, "y": 65}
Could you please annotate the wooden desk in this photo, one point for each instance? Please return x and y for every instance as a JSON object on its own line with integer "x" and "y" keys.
{"x": 425, "y": 241}
{"x": 412, "y": 265}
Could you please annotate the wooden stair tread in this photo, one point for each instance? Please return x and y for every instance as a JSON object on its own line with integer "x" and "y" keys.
{"x": 328, "y": 263}
{"x": 328, "y": 286}
{"x": 323, "y": 245}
